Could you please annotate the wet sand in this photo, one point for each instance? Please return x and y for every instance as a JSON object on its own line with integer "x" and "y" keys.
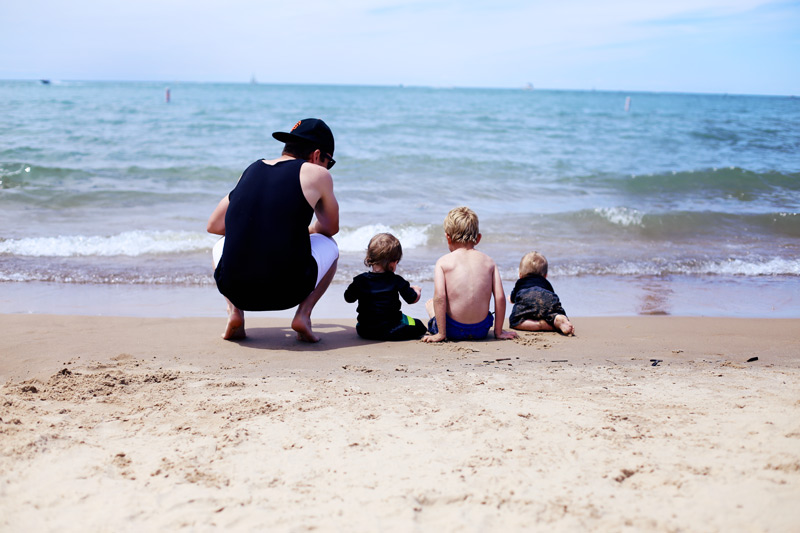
{"x": 589, "y": 296}
{"x": 115, "y": 423}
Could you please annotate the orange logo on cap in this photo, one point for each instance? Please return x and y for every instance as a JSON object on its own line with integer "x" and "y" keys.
{"x": 295, "y": 126}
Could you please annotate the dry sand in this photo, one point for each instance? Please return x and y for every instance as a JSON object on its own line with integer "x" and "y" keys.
{"x": 130, "y": 424}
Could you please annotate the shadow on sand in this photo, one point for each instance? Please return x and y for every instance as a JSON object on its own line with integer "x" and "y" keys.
{"x": 332, "y": 337}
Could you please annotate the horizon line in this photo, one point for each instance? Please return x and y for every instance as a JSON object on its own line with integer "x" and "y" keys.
{"x": 523, "y": 87}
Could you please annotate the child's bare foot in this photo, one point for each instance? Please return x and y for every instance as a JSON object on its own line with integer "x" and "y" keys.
{"x": 235, "y": 328}
{"x": 302, "y": 325}
{"x": 533, "y": 325}
{"x": 563, "y": 325}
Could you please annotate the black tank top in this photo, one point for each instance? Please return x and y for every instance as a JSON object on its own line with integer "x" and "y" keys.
{"x": 266, "y": 263}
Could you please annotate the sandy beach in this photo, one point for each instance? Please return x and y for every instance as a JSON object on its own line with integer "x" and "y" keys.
{"x": 636, "y": 424}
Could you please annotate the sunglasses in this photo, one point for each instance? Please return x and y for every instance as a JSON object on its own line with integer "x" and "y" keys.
{"x": 331, "y": 161}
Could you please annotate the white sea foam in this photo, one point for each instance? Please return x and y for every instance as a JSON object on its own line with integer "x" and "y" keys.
{"x": 730, "y": 267}
{"x": 357, "y": 239}
{"x": 621, "y": 216}
{"x": 738, "y": 267}
{"x": 129, "y": 243}
{"x": 136, "y": 243}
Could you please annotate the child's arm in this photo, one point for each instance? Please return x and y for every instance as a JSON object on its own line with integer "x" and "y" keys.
{"x": 439, "y": 305}
{"x": 418, "y": 290}
{"x": 409, "y": 293}
{"x": 351, "y": 293}
{"x": 500, "y": 308}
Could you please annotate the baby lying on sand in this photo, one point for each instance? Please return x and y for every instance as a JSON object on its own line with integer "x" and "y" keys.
{"x": 536, "y": 305}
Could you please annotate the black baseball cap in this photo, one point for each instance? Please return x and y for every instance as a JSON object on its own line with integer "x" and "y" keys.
{"x": 311, "y": 131}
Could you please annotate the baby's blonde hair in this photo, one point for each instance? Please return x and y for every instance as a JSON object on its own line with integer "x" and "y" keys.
{"x": 461, "y": 224}
{"x": 383, "y": 249}
{"x": 532, "y": 263}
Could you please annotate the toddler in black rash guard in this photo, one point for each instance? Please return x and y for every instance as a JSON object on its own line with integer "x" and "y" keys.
{"x": 378, "y": 294}
{"x": 536, "y": 305}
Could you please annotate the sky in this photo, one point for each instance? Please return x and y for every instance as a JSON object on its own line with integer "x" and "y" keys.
{"x": 705, "y": 46}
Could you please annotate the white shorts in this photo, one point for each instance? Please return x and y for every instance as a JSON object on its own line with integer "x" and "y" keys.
{"x": 324, "y": 250}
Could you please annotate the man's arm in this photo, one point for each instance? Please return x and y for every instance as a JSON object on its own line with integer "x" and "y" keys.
{"x": 439, "y": 304}
{"x": 327, "y": 213}
{"x": 500, "y": 307}
{"x": 317, "y": 185}
{"x": 216, "y": 222}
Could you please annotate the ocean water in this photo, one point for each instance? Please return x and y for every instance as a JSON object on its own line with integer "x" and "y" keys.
{"x": 682, "y": 204}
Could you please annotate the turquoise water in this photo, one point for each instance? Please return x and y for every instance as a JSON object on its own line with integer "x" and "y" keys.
{"x": 106, "y": 184}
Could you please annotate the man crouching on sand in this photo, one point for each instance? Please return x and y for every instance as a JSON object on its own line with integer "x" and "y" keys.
{"x": 271, "y": 257}
{"x": 464, "y": 282}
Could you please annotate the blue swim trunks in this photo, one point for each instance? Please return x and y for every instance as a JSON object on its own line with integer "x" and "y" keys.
{"x": 456, "y": 331}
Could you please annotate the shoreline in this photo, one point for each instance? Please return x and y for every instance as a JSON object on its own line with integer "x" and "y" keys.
{"x": 158, "y": 424}
{"x": 587, "y": 296}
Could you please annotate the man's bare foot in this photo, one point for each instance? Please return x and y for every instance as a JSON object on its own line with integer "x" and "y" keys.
{"x": 563, "y": 325}
{"x": 302, "y": 325}
{"x": 235, "y": 328}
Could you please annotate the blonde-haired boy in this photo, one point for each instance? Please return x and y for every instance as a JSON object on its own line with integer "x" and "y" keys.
{"x": 465, "y": 280}
{"x": 536, "y": 305}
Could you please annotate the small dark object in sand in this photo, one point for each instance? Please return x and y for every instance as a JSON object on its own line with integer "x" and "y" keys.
{"x": 504, "y": 359}
{"x": 752, "y": 359}
{"x": 656, "y": 361}
{"x": 558, "y": 361}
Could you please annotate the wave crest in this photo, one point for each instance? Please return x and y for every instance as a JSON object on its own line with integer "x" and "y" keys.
{"x": 357, "y": 239}
{"x": 129, "y": 243}
{"x": 621, "y": 216}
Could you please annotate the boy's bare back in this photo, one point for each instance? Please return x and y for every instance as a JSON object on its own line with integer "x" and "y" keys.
{"x": 465, "y": 280}
{"x": 468, "y": 278}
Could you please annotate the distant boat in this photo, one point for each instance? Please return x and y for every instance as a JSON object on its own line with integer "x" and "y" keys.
{"x": 45, "y": 82}
{"x": 253, "y": 79}
{"x": 528, "y": 86}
